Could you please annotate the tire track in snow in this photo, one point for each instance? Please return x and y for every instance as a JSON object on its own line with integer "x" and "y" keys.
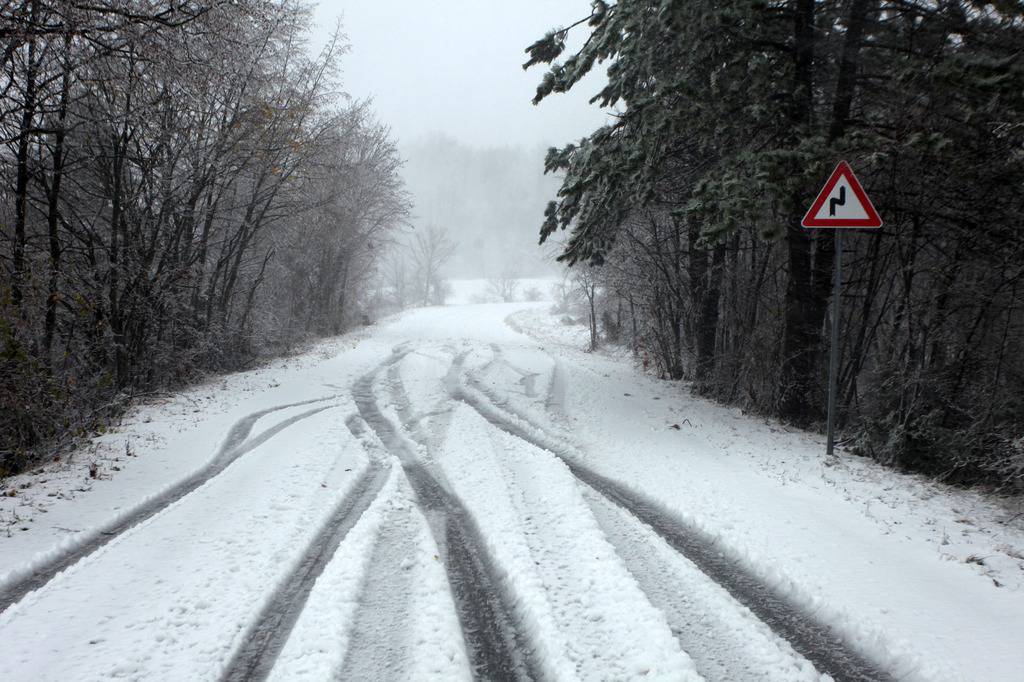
{"x": 814, "y": 640}
{"x": 726, "y": 641}
{"x": 236, "y": 444}
{"x": 265, "y": 639}
{"x": 527, "y": 379}
{"x": 494, "y": 645}
{"x": 379, "y": 647}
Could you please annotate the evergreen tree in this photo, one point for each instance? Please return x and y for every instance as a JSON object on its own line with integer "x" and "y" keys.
{"x": 728, "y": 116}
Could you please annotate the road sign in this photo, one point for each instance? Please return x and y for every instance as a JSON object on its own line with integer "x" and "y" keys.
{"x": 842, "y": 202}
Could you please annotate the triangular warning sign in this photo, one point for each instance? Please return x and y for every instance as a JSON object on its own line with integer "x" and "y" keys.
{"x": 842, "y": 202}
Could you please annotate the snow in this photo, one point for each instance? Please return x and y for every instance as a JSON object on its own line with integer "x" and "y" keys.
{"x": 882, "y": 556}
{"x": 926, "y": 580}
{"x": 193, "y": 576}
{"x": 59, "y": 506}
{"x": 382, "y": 604}
{"x": 470, "y": 291}
{"x": 727, "y": 641}
{"x": 571, "y": 587}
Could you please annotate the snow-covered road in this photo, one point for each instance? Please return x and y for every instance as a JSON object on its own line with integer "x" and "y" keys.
{"x": 461, "y": 493}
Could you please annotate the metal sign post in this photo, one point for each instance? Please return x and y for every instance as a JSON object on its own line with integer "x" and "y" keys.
{"x": 835, "y": 208}
{"x": 833, "y": 355}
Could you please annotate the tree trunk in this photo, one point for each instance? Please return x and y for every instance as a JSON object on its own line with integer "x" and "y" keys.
{"x": 804, "y": 309}
{"x": 848, "y": 63}
{"x": 707, "y": 322}
{"x": 53, "y": 207}
{"x": 22, "y": 175}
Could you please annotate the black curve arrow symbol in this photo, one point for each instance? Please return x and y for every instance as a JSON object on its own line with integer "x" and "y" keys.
{"x": 841, "y": 200}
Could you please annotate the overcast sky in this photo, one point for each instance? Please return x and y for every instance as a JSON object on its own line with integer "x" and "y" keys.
{"x": 454, "y": 66}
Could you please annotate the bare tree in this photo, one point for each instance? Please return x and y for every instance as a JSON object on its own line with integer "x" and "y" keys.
{"x": 585, "y": 282}
{"x": 397, "y": 280}
{"x": 504, "y": 286}
{"x": 533, "y": 294}
{"x": 182, "y": 188}
{"x": 430, "y": 250}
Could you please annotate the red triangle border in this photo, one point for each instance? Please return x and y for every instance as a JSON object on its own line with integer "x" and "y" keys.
{"x": 873, "y": 220}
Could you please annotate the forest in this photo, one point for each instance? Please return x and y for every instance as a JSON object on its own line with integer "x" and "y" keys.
{"x": 494, "y": 341}
{"x": 683, "y": 213}
{"x": 185, "y": 188}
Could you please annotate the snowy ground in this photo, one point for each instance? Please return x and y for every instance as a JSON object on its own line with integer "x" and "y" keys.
{"x": 473, "y": 291}
{"x": 461, "y": 492}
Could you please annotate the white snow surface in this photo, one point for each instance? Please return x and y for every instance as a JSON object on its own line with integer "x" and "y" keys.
{"x": 475, "y": 291}
{"x": 167, "y": 599}
{"x": 382, "y": 604}
{"x": 891, "y": 560}
{"x": 925, "y": 580}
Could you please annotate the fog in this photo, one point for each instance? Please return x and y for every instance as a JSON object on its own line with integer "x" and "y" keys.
{"x": 490, "y": 198}
{"x": 446, "y": 77}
